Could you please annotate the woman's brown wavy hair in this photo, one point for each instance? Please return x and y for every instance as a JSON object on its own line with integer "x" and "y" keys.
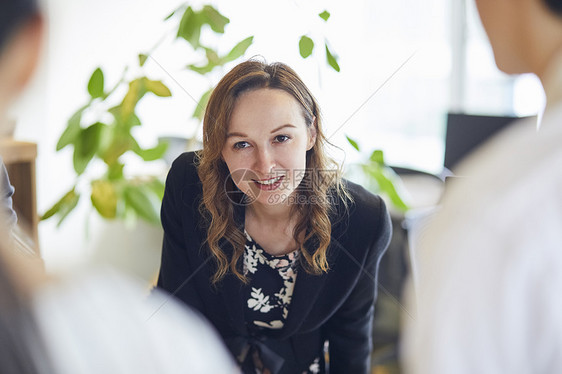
{"x": 323, "y": 174}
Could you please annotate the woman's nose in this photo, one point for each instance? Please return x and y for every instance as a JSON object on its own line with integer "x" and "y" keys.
{"x": 264, "y": 162}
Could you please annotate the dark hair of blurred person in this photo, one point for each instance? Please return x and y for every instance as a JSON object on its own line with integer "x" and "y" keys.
{"x": 21, "y": 29}
{"x": 95, "y": 321}
{"x": 21, "y": 350}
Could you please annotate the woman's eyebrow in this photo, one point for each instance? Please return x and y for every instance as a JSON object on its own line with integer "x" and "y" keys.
{"x": 242, "y": 135}
{"x": 282, "y": 127}
{"x": 238, "y": 134}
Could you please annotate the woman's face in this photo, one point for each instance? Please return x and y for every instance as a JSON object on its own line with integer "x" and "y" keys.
{"x": 266, "y": 144}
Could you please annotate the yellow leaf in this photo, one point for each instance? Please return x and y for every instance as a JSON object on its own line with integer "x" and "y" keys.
{"x": 104, "y": 198}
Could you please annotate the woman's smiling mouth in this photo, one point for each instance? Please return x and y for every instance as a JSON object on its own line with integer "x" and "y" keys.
{"x": 269, "y": 184}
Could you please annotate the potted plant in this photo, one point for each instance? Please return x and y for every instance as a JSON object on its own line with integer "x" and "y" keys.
{"x": 101, "y": 134}
{"x": 106, "y": 137}
{"x": 114, "y": 194}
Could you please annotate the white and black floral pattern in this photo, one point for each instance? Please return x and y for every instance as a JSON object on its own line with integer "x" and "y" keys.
{"x": 272, "y": 280}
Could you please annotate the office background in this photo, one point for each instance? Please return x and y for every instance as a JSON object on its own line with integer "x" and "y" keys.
{"x": 404, "y": 64}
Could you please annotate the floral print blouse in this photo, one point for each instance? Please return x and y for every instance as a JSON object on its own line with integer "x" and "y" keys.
{"x": 272, "y": 280}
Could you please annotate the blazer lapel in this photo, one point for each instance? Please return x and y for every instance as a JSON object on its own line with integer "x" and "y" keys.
{"x": 306, "y": 291}
{"x": 231, "y": 288}
{"x": 308, "y": 286}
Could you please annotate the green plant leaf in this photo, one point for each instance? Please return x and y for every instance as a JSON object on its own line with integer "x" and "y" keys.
{"x": 104, "y": 198}
{"x": 201, "y": 69}
{"x": 332, "y": 60}
{"x": 86, "y": 146}
{"x": 121, "y": 121}
{"x": 190, "y": 27}
{"x": 214, "y": 19}
{"x": 63, "y": 207}
{"x": 386, "y": 185}
{"x": 152, "y": 154}
{"x": 68, "y": 206}
{"x": 143, "y": 201}
{"x": 115, "y": 171}
{"x": 120, "y": 138}
{"x": 116, "y": 112}
{"x": 178, "y": 9}
{"x": 353, "y": 143}
{"x": 324, "y": 15}
{"x": 157, "y": 87}
{"x": 51, "y": 211}
{"x": 128, "y": 216}
{"x": 238, "y": 50}
{"x": 378, "y": 157}
{"x": 306, "y": 45}
{"x": 158, "y": 187}
{"x": 132, "y": 121}
{"x": 57, "y": 206}
{"x": 72, "y": 129}
{"x": 142, "y": 59}
{"x": 121, "y": 142}
{"x": 95, "y": 85}
{"x": 135, "y": 93}
{"x": 115, "y": 150}
{"x": 170, "y": 15}
{"x": 105, "y": 139}
{"x": 212, "y": 56}
{"x": 199, "y": 111}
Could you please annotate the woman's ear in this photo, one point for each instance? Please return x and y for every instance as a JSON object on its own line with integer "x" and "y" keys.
{"x": 311, "y": 135}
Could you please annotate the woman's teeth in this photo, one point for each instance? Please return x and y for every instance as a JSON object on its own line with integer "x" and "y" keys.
{"x": 270, "y": 181}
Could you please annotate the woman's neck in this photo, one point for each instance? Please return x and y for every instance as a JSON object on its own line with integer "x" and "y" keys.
{"x": 271, "y": 214}
{"x": 272, "y": 228}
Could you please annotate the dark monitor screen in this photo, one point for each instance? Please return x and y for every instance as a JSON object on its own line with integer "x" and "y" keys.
{"x": 465, "y": 132}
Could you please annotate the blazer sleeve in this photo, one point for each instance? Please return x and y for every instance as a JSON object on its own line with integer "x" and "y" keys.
{"x": 349, "y": 331}
{"x": 177, "y": 273}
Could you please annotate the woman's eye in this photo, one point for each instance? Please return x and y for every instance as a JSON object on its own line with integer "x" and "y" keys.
{"x": 241, "y": 145}
{"x": 281, "y": 138}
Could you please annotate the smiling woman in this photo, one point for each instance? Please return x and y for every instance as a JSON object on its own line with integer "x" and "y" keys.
{"x": 262, "y": 123}
{"x": 264, "y": 237}
{"x": 268, "y": 136}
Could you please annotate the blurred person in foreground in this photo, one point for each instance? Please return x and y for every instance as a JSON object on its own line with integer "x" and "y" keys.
{"x": 96, "y": 322}
{"x": 491, "y": 265}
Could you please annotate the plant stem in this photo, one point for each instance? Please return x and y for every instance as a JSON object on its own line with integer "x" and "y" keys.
{"x": 121, "y": 80}
{"x": 158, "y": 43}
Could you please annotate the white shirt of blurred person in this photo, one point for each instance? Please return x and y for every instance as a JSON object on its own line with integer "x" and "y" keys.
{"x": 488, "y": 296}
{"x": 98, "y": 322}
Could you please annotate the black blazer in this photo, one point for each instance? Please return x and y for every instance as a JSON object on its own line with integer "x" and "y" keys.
{"x": 336, "y": 306}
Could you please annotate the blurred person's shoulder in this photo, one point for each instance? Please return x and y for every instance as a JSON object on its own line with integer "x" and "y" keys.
{"x": 492, "y": 253}
{"x": 520, "y": 160}
{"x": 104, "y": 322}
{"x": 508, "y": 197}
